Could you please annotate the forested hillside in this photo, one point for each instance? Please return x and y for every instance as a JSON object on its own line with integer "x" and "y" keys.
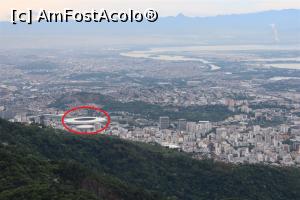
{"x": 38, "y": 163}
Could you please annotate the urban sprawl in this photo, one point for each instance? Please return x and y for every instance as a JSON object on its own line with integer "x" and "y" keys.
{"x": 236, "y": 107}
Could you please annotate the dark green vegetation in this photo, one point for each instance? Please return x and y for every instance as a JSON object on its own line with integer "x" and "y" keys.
{"x": 151, "y": 111}
{"x": 47, "y": 164}
{"x": 42, "y": 164}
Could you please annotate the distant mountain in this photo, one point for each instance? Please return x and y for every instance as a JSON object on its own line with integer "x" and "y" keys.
{"x": 42, "y": 163}
{"x": 269, "y": 27}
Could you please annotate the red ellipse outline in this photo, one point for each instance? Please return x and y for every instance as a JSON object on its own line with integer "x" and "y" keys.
{"x": 85, "y": 107}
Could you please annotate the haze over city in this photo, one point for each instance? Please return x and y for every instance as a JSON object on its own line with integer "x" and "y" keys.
{"x": 165, "y": 8}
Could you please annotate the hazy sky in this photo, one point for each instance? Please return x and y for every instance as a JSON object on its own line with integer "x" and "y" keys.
{"x": 165, "y": 7}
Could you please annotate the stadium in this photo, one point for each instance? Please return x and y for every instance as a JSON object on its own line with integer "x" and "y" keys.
{"x": 86, "y": 124}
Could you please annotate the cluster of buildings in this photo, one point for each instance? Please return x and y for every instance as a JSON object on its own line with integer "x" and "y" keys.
{"x": 233, "y": 143}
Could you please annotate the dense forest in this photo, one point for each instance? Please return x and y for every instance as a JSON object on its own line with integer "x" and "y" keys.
{"x": 43, "y": 163}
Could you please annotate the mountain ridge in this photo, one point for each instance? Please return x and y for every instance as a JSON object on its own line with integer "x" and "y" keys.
{"x": 250, "y": 28}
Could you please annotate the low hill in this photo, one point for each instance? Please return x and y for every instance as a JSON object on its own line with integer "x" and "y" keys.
{"x": 42, "y": 163}
{"x": 150, "y": 111}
